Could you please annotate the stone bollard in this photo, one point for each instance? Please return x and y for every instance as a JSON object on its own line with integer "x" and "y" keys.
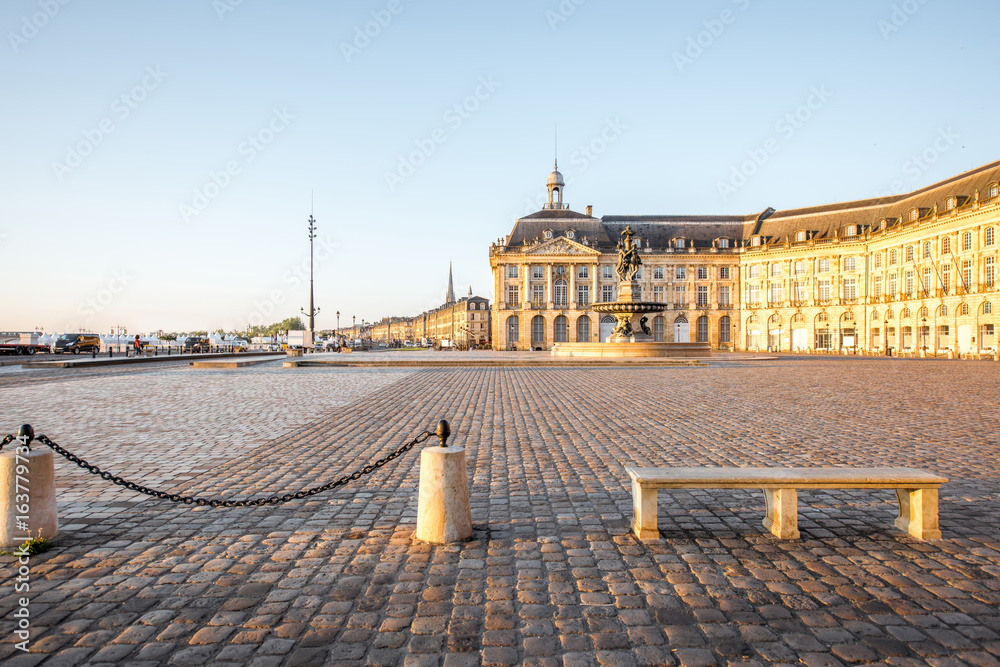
{"x": 27, "y": 493}
{"x": 443, "y": 513}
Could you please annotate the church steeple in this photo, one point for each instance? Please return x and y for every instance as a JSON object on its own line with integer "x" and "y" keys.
{"x": 450, "y": 299}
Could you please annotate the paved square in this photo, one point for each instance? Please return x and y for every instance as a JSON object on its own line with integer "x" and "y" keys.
{"x": 553, "y": 575}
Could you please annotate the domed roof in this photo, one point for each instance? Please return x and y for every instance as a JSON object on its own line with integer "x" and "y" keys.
{"x": 555, "y": 178}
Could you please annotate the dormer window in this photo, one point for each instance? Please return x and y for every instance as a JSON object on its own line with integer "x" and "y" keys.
{"x": 994, "y": 190}
{"x": 800, "y": 236}
{"x": 949, "y": 203}
{"x": 851, "y": 230}
{"x": 914, "y": 214}
{"x": 755, "y": 241}
{"x": 678, "y": 243}
{"x": 570, "y": 234}
{"x": 548, "y": 233}
{"x": 723, "y": 243}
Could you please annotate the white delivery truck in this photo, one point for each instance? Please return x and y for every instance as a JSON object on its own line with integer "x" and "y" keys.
{"x": 300, "y": 340}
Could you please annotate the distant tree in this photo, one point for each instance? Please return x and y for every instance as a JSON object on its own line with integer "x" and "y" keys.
{"x": 169, "y": 336}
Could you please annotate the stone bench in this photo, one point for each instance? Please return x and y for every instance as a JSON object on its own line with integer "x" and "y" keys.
{"x": 917, "y": 491}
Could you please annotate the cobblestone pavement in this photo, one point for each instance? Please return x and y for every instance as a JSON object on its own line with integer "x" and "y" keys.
{"x": 553, "y": 576}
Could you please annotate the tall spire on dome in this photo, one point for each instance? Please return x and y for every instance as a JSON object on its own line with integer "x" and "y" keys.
{"x": 451, "y": 287}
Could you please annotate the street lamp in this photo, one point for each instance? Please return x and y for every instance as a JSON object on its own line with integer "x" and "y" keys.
{"x": 923, "y": 333}
{"x": 354, "y": 324}
{"x": 312, "y": 310}
{"x": 338, "y": 322}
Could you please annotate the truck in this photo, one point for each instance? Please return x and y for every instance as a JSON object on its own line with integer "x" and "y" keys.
{"x": 300, "y": 340}
{"x": 20, "y": 343}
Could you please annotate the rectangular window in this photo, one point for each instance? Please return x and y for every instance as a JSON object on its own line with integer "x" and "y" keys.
{"x": 927, "y": 280}
{"x": 824, "y": 290}
{"x": 724, "y": 299}
{"x": 680, "y": 273}
{"x": 777, "y": 293}
{"x": 823, "y": 266}
{"x": 990, "y": 271}
{"x": 800, "y": 268}
{"x": 658, "y": 293}
{"x": 753, "y": 293}
{"x": 512, "y": 272}
{"x": 702, "y": 273}
{"x": 946, "y": 277}
{"x": 892, "y": 285}
{"x": 657, "y": 273}
{"x": 637, "y": 293}
{"x": 538, "y": 272}
{"x": 607, "y": 272}
{"x": 753, "y": 271}
{"x": 680, "y": 296}
{"x": 583, "y": 295}
{"x": 967, "y": 274}
{"x": 908, "y": 283}
{"x": 702, "y": 295}
{"x": 850, "y": 288}
{"x": 607, "y": 293}
{"x": 538, "y": 295}
{"x": 877, "y": 287}
{"x": 583, "y": 272}
{"x": 799, "y": 291}
{"x": 513, "y": 294}
{"x": 849, "y": 263}
{"x": 776, "y": 269}
{"x": 723, "y": 273}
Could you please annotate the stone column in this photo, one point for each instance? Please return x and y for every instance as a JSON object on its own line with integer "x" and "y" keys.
{"x": 526, "y": 298}
{"x": 572, "y": 286}
{"x": 548, "y": 285}
{"x": 38, "y": 484}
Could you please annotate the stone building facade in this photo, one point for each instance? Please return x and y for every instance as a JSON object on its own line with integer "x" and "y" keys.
{"x": 899, "y": 274}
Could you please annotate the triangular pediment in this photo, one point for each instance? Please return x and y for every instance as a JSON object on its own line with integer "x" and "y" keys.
{"x": 561, "y": 246}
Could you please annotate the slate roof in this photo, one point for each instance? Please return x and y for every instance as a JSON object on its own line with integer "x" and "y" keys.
{"x": 820, "y": 221}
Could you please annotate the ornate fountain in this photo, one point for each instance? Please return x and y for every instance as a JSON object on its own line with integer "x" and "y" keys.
{"x": 631, "y": 336}
{"x": 625, "y": 308}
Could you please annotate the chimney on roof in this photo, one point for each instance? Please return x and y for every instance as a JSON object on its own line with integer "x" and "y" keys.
{"x": 590, "y": 210}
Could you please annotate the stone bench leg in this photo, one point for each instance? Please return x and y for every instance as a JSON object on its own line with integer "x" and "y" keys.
{"x": 918, "y": 513}
{"x": 644, "y": 513}
{"x": 782, "y": 513}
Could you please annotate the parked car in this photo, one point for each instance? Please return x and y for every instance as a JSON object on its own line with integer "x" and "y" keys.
{"x": 77, "y": 343}
{"x": 240, "y": 345}
{"x": 197, "y": 344}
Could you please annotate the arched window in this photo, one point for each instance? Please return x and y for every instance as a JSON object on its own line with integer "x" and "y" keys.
{"x": 583, "y": 329}
{"x": 963, "y": 309}
{"x": 874, "y": 315}
{"x": 703, "y": 329}
{"x": 537, "y": 329}
{"x": 927, "y": 250}
{"x": 966, "y": 241}
{"x": 922, "y": 312}
{"x": 560, "y": 294}
{"x": 797, "y": 317}
{"x": 561, "y": 329}
{"x": 725, "y": 329}
{"x": 888, "y": 315}
{"x": 658, "y": 328}
{"x": 946, "y": 245}
{"x": 987, "y": 308}
{"x": 893, "y": 256}
{"x": 943, "y": 311}
{"x": 905, "y": 315}
{"x": 513, "y": 329}
{"x": 989, "y": 237}
{"x": 909, "y": 253}
{"x": 822, "y": 317}
{"x": 878, "y": 260}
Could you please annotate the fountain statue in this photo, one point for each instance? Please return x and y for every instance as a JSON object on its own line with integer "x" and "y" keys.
{"x": 625, "y": 340}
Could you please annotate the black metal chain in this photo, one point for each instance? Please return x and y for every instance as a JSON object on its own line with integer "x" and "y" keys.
{"x": 7, "y": 439}
{"x": 216, "y": 502}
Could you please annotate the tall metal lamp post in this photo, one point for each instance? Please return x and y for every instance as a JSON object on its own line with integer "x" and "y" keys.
{"x": 312, "y": 310}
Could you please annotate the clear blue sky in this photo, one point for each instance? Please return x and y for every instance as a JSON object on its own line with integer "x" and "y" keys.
{"x": 102, "y": 227}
